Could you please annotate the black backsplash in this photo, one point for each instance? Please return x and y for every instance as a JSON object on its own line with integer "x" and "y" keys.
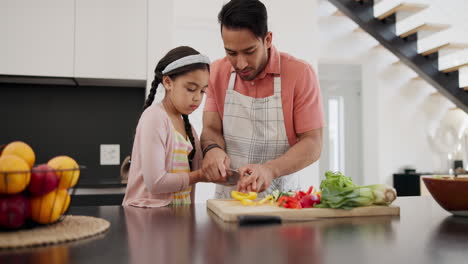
{"x": 74, "y": 121}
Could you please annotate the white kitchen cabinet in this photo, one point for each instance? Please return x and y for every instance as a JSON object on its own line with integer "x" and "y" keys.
{"x": 36, "y": 37}
{"x": 110, "y": 39}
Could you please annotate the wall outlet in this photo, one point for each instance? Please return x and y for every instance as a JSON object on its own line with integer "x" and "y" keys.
{"x": 110, "y": 154}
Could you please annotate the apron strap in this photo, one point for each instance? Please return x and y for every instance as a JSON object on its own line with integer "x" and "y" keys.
{"x": 277, "y": 84}
{"x": 232, "y": 81}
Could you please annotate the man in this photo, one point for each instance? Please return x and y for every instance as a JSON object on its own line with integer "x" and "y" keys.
{"x": 263, "y": 112}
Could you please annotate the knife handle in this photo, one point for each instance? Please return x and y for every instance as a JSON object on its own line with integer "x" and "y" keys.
{"x": 258, "y": 220}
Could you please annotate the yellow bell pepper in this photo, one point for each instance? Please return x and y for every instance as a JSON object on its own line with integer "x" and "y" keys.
{"x": 247, "y": 202}
{"x": 266, "y": 199}
{"x": 241, "y": 196}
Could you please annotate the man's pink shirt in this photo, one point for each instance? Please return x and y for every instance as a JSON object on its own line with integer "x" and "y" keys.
{"x": 301, "y": 99}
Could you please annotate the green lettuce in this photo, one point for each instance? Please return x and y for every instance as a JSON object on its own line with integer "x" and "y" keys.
{"x": 339, "y": 191}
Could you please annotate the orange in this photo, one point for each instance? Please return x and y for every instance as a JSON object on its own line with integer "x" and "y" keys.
{"x": 22, "y": 150}
{"x": 68, "y": 178}
{"x": 14, "y": 174}
{"x": 47, "y": 208}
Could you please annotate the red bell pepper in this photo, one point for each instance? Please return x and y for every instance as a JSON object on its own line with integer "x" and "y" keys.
{"x": 310, "y": 200}
{"x": 300, "y": 194}
{"x": 300, "y": 200}
{"x": 289, "y": 202}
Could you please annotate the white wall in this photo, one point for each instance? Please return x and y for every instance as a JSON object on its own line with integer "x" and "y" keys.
{"x": 194, "y": 23}
{"x": 399, "y": 114}
{"x": 295, "y": 31}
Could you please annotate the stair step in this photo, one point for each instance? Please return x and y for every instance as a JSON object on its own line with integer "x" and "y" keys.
{"x": 454, "y": 68}
{"x": 463, "y": 78}
{"x": 358, "y": 29}
{"x": 424, "y": 27}
{"x": 377, "y": 46}
{"x": 388, "y": 10}
{"x": 446, "y": 46}
{"x": 338, "y": 13}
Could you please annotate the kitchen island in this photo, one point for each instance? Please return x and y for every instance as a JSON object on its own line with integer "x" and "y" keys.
{"x": 423, "y": 233}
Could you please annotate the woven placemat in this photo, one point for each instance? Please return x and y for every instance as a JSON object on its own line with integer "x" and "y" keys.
{"x": 71, "y": 228}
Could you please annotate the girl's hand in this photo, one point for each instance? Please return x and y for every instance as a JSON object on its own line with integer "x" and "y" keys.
{"x": 214, "y": 166}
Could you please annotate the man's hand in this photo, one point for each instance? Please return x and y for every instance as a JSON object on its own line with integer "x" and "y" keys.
{"x": 214, "y": 165}
{"x": 255, "y": 177}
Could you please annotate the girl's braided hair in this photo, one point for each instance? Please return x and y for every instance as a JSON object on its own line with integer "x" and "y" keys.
{"x": 170, "y": 57}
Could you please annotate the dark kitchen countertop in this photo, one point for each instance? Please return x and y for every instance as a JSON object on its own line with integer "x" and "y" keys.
{"x": 98, "y": 192}
{"x": 424, "y": 233}
{"x": 100, "y": 184}
{"x": 98, "y": 195}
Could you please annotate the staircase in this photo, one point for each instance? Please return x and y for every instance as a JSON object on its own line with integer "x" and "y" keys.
{"x": 379, "y": 20}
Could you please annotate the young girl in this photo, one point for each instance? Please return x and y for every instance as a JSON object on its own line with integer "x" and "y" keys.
{"x": 166, "y": 154}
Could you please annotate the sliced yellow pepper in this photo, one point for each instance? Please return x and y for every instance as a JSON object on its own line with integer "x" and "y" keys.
{"x": 266, "y": 199}
{"x": 241, "y": 196}
{"x": 247, "y": 202}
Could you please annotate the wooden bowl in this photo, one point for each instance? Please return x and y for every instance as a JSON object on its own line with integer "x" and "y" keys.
{"x": 450, "y": 192}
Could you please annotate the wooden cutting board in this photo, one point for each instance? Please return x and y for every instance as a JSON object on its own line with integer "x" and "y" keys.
{"x": 228, "y": 210}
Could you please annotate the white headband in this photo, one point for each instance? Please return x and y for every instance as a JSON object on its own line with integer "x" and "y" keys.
{"x": 192, "y": 59}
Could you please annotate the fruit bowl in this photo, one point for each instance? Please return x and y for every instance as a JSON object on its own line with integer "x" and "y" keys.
{"x": 42, "y": 202}
{"x": 34, "y": 194}
{"x": 450, "y": 192}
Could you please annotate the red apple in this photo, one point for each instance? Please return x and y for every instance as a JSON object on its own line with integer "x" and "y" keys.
{"x": 43, "y": 180}
{"x": 14, "y": 210}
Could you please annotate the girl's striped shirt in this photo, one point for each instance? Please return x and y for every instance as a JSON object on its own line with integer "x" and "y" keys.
{"x": 180, "y": 163}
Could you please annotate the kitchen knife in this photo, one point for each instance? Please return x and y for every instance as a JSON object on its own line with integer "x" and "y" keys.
{"x": 233, "y": 177}
{"x": 249, "y": 220}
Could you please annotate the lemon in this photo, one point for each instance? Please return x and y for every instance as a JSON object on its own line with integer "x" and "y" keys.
{"x": 68, "y": 171}
{"x": 22, "y": 150}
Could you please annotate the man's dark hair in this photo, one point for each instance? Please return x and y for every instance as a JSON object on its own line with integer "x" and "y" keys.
{"x": 245, "y": 14}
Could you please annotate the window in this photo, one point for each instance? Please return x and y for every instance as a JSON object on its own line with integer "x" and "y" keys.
{"x": 336, "y": 133}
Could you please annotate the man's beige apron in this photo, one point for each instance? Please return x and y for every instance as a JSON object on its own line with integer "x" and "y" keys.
{"x": 254, "y": 132}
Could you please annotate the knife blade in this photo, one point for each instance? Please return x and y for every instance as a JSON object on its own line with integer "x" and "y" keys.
{"x": 232, "y": 177}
